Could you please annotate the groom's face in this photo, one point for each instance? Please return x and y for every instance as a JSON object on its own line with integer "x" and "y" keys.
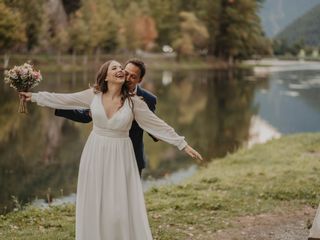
{"x": 132, "y": 75}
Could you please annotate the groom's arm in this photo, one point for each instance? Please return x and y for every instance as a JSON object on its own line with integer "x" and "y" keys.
{"x": 82, "y": 116}
{"x": 152, "y": 107}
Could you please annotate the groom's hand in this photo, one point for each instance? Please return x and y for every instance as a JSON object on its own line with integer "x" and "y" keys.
{"x": 26, "y": 96}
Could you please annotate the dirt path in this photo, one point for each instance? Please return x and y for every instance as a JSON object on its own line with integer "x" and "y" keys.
{"x": 280, "y": 226}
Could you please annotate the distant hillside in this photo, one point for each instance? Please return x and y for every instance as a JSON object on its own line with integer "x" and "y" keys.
{"x": 277, "y": 14}
{"x": 305, "y": 28}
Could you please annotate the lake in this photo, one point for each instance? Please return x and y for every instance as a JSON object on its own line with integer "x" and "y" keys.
{"x": 217, "y": 111}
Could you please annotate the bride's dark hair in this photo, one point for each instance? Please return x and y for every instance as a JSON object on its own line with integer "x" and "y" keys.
{"x": 101, "y": 84}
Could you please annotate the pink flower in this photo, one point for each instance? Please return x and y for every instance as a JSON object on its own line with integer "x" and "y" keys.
{"x": 36, "y": 75}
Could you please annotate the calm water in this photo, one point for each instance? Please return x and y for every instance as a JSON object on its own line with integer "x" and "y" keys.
{"x": 217, "y": 111}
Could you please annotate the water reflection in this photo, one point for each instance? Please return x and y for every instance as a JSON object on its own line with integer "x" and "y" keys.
{"x": 261, "y": 131}
{"x": 214, "y": 110}
{"x": 290, "y": 102}
{"x": 39, "y": 153}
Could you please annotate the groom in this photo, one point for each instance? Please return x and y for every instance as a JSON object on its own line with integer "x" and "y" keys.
{"x": 135, "y": 71}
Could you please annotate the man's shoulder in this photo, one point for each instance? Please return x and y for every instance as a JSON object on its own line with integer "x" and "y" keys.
{"x": 148, "y": 96}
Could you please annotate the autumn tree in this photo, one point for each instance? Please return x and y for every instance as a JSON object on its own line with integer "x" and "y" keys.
{"x": 228, "y": 29}
{"x": 12, "y": 28}
{"x": 78, "y": 33}
{"x": 193, "y": 34}
{"x": 165, "y": 14}
{"x": 146, "y": 31}
{"x": 127, "y": 36}
{"x": 31, "y": 15}
{"x": 102, "y": 24}
{"x": 138, "y": 28}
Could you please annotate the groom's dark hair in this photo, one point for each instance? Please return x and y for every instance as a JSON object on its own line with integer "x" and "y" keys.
{"x": 140, "y": 64}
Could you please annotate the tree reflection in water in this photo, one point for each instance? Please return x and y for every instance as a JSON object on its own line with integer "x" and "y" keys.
{"x": 40, "y": 152}
{"x": 212, "y": 109}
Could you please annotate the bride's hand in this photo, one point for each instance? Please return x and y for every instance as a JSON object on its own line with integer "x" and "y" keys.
{"x": 192, "y": 153}
{"x": 26, "y": 96}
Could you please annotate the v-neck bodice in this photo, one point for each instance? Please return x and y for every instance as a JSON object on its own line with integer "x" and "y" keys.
{"x": 106, "y": 111}
{"x": 120, "y": 120}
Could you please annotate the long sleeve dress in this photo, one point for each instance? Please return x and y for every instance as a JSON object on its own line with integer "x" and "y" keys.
{"x": 110, "y": 203}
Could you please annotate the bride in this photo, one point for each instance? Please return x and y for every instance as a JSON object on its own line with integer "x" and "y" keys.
{"x": 110, "y": 203}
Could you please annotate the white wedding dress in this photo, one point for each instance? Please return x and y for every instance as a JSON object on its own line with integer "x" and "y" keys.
{"x": 110, "y": 203}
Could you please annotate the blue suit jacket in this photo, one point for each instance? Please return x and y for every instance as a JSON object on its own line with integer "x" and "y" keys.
{"x": 135, "y": 133}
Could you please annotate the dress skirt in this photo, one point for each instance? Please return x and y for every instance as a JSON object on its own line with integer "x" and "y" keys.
{"x": 110, "y": 203}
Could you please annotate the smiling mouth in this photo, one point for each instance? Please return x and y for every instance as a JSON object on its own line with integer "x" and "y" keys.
{"x": 119, "y": 75}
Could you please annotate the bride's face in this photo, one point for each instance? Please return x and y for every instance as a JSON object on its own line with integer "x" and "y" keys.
{"x": 115, "y": 73}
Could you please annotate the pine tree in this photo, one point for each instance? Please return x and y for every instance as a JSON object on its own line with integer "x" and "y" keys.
{"x": 240, "y": 31}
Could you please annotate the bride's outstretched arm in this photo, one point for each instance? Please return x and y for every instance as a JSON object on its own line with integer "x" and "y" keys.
{"x": 158, "y": 128}
{"x": 79, "y": 100}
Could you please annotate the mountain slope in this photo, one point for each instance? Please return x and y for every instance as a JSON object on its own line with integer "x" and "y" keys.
{"x": 305, "y": 28}
{"x": 277, "y": 14}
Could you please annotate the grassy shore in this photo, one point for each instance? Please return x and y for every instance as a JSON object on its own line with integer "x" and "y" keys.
{"x": 282, "y": 175}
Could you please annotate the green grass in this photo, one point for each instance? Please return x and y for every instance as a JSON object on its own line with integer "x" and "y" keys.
{"x": 282, "y": 175}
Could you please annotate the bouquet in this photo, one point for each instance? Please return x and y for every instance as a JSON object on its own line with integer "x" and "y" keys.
{"x": 22, "y": 78}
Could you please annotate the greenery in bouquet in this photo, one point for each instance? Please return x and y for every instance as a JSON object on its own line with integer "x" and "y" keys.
{"x": 22, "y": 78}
